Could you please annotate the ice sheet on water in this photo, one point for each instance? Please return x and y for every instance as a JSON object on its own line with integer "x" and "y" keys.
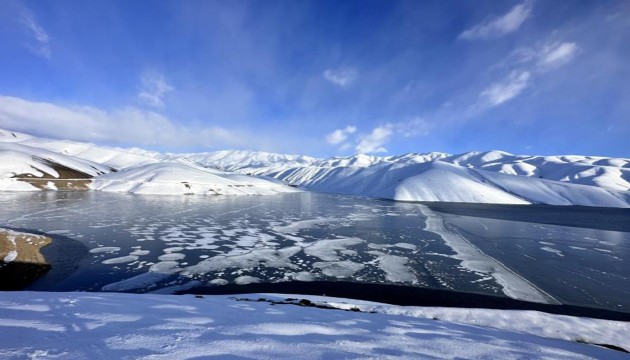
{"x": 254, "y": 258}
{"x": 339, "y": 269}
{"x": 121, "y": 260}
{"x": 171, "y": 257}
{"x": 246, "y": 279}
{"x": 406, "y": 246}
{"x": 105, "y": 249}
{"x": 328, "y": 250}
{"x": 474, "y": 260}
{"x": 139, "y": 252}
{"x": 396, "y": 268}
{"x": 141, "y": 281}
{"x": 296, "y": 226}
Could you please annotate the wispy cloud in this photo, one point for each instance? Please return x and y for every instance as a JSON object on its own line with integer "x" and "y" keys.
{"x": 86, "y": 123}
{"x": 41, "y": 44}
{"x": 153, "y": 88}
{"x": 557, "y": 54}
{"x": 530, "y": 63}
{"x": 501, "y": 25}
{"x": 340, "y": 135}
{"x": 506, "y": 89}
{"x": 341, "y": 77}
{"x": 374, "y": 142}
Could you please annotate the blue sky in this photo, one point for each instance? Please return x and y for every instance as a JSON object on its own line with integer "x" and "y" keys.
{"x": 321, "y": 78}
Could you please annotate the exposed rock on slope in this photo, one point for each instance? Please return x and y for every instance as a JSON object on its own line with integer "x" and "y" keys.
{"x": 20, "y": 259}
{"x": 25, "y": 168}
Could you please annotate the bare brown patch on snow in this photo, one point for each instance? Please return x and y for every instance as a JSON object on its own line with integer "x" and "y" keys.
{"x": 21, "y": 261}
{"x": 69, "y": 179}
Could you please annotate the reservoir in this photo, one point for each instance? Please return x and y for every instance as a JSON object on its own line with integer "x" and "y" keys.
{"x": 139, "y": 243}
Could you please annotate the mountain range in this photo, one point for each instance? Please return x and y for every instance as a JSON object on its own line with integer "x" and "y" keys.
{"x": 31, "y": 163}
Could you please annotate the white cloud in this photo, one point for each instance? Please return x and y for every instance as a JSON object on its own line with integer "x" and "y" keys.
{"x": 86, "y": 123}
{"x": 374, "y": 141}
{"x": 341, "y": 77}
{"x": 506, "y": 89}
{"x": 543, "y": 56}
{"x": 555, "y": 55}
{"x": 499, "y": 26}
{"x": 153, "y": 88}
{"x": 529, "y": 63}
{"x": 42, "y": 40}
{"x": 340, "y": 135}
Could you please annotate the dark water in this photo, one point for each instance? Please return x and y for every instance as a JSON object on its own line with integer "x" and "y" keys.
{"x": 117, "y": 242}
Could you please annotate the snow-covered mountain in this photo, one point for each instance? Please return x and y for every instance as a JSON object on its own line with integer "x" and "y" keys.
{"x": 116, "y": 158}
{"x": 169, "y": 178}
{"x": 234, "y": 160}
{"x": 480, "y": 177}
{"x": 28, "y": 163}
{"x": 26, "y": 168}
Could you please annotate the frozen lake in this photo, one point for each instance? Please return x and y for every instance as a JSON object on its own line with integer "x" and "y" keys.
{"x": 116, "y": 242}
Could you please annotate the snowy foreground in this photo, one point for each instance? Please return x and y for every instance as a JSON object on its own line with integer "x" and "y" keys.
{"x": 41, "y": 325}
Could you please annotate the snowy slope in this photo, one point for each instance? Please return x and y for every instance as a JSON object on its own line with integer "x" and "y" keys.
{"x": 233, "y": 160}
{"x": 142, "y": 172}
{"x": 608, "y": 173}
{"x": 22, "y": 159}
{"x": 23, "y": 162}
{"x": 127, "y": 326}
{"x": 480, "y": 177}
{"x": 172, "y": 178}
{"x": 111, "y": 157}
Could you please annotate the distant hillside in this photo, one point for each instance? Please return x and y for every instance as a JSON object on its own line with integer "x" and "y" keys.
{"x": 477, "y": 177}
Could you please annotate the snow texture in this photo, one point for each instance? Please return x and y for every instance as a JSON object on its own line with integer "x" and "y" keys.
{"x": 169, "y": 178}
{"x": 127, "y": 326}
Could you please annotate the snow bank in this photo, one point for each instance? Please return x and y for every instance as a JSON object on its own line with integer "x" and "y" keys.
{"x": 114, "y": 326}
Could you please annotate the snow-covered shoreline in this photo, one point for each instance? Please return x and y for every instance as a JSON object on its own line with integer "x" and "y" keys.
{"x": 127, "y": 326}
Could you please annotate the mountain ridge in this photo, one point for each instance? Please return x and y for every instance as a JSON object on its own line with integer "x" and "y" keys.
{"x": 492, "y": 176}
